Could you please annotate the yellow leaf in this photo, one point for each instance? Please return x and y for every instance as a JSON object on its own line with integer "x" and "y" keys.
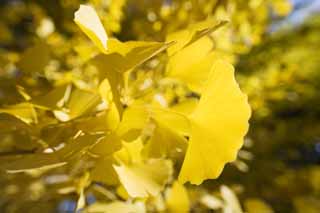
{"x": 22, "y": 111}
{"x": 195, "y": 32}
{"x": 219, "y": 123}
{"x": 88, "y": 21}
{"x": 117, "y": 206}
{"x": 133, "y": 121}
{"x": 130, "y": 152}
{"x": 177, "y": 199}
{"x": 282, "y": 7}
{"x": 104, "y": 172}
{"x": 194, "y": 53}
{"x": 253, "y": 205}
{"x": 35, "y": 58}
{"x": 124, "y": 56}
{"x": 165, "y": 142}
{"x": 193, "y": 73}
{"x": 33, "y": 162}
{"x": 231, "y": 201}
{"x": 144, "y": 179}
{"x": 82, "y": 102}
{"x": 106, "y": 145}
{"x": 136, "y": 117}
{"x": 186, "y": 107}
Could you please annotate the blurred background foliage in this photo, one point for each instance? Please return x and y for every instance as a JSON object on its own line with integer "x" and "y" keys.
{"x": 274, "y": 46}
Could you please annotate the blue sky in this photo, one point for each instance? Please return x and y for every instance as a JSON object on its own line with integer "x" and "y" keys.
{"x": 302, "y": 10}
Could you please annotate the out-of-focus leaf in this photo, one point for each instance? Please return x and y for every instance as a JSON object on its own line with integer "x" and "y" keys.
{"x": 130, "y": 152}
{"x": 219, "y": 123}
{"x": 143, "y": 179}
{"x": 78, "y": 145}
{"x": 165, "y": 142}
{"x": 211, "y": 202}
{"x": 117, "y": 206}
{"x": 177, "y": 198}
{"x": 254, "y": 204}
{"x": 22, "y": 111}
{"x": 136, "y": 117}
{"x": 33, "y": 162}
{"x": 195, "y": 32}
{"x": 128, "y": 55}
{"x": 54, "y": 99}
{"x": 282, "y": 8}
{"x": 231, "y": 201}
{"x": 125, "y": 56}
{"x": 82, "y": 183}
{"x": 133, "y": 121}
{"x": 35, "y": 58}
{"x": 186, "y": 107}
{"x": 88, "y": 21}
{"x": 104, "y": 172}
{"x": 106, "y": 145}
{"x": 82, "y": 102}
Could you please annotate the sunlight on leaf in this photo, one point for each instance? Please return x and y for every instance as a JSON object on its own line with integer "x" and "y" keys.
{"x": 88, "y": 21}
{"x": 219, "y": 123}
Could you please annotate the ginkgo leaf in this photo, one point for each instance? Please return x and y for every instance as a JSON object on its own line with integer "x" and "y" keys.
{"x": 184, "y": 38}
{"x": 53, "y": 99}
{"x": 165, "y": 142}
{"x": 219, "y": 123}
{"x": 133, "y": 53}
{"x": 22, "y": 111}
{"x": 88, "y": 21}
{"x": 173, "y": 120}
{"x": 177, "y": 199}
{"x": 106, "y": 145}
{"x": 39, "y": 161}
{"x": 104, "y": 172}
{"x": 144, "y": 179}
{"x": 133, "y": 121}
{"x": 117, "y": 206}
{"x": 185, "y": 107}
{"x": 255, "y": 204}
{"x": 35, "y": 58}
{"x": 137, "y": 116}
{"x": 82, "y": 102}
{"x": 123, "y": 57}
{"x": 130, "y": 152}
{"x": 79, "y": 144}
{"x": 196, "y": 72}
{"x": 232, "y": 203}
{"x": 195, "y": 52}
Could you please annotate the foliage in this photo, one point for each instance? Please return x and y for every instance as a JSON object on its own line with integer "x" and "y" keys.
{"x": 103, "y": 124}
